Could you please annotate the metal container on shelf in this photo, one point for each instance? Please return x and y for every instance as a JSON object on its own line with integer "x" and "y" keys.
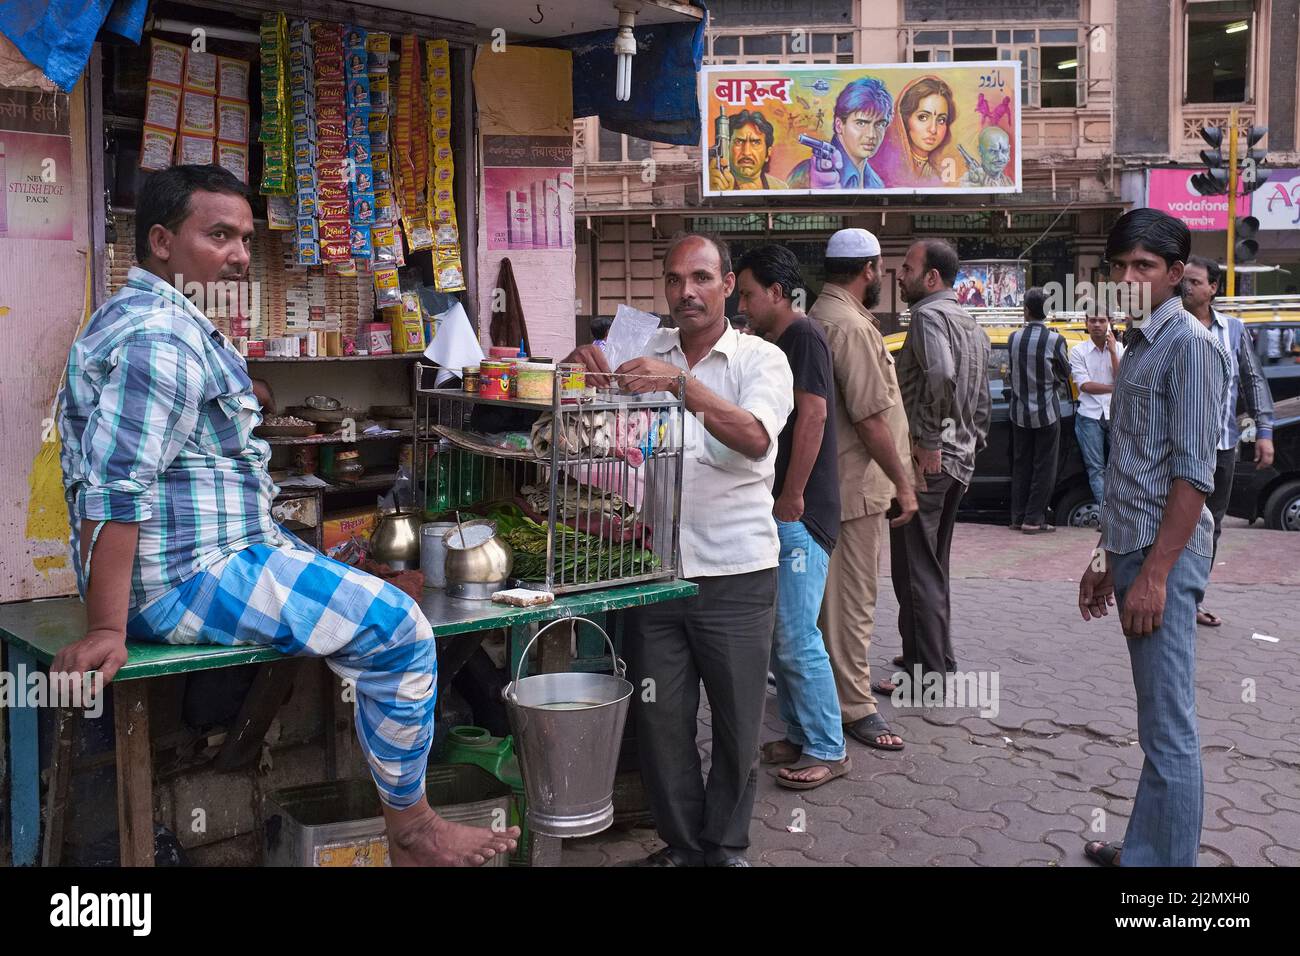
{"x": 478, "y": 560}
{"x": 396, "y": 540}
{"x": 433, "y": 553}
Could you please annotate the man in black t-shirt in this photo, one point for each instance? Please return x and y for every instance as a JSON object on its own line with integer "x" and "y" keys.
{"x": 807, "y": 513}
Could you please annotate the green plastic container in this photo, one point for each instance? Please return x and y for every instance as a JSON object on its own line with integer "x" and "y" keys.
{"x": 474, "y": 745}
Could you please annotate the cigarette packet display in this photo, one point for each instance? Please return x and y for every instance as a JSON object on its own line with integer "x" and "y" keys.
{"x": 198, "y": 113}
{"x": 162, "y": 109}
{"x": 166, "y": 63}
{"x": 232, "y": 121}
{"x": 232, "y": 78}
{"x": 280, "y": 212}
{"x": 201, "y": 72}
{"x": 194, "y": 150}
{"x": 234, "y": 157}
{"x": 157, "y": 146}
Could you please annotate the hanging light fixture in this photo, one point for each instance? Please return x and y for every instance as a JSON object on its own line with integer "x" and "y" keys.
{"x": 625, "y": 47}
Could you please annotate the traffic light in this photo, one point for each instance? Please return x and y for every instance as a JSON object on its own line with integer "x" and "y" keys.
{"x": 1252, "y": 177}
{"x": 1214, "y": 181}
{"x": 1246, "y": 247}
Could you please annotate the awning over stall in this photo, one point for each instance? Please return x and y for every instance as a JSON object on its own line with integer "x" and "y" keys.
{"x": 57, "y": 36}
{"x": 665, "y": 106}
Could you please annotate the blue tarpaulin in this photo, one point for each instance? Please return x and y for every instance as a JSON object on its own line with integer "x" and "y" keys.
{"x": 665, "y": 103}
{"x": 57, "y": 36}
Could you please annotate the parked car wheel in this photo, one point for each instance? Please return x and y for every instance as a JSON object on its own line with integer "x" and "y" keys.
{"x": 1077, "y": 509}
{"x": 1282, "y": 513}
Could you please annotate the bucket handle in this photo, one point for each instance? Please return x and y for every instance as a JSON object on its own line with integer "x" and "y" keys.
{"x": 620, "y": 667}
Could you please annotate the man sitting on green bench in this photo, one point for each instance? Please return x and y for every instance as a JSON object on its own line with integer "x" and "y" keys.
{"x": 169, "y": 501}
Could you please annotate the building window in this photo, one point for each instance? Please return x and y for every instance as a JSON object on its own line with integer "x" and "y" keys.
{"x": 788, "y": 46}
{"x": 1052, "y": 65}
{"x": 621, "y": 148}
{"x": 1220, "y": 43}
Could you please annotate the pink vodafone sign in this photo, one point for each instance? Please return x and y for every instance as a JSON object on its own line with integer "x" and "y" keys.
{"x": 1170, "y": 190}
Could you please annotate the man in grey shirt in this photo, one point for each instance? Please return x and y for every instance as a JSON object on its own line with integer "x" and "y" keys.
{"x": 1157, "y": 534}
{"x": 943, "y": 381}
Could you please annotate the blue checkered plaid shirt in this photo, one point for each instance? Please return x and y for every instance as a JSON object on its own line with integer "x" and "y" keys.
{"x": 156, "y": 419}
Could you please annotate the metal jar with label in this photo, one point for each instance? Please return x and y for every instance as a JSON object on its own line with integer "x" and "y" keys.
{"x": 494, "y": 380}
{"x": 573, "y": 382}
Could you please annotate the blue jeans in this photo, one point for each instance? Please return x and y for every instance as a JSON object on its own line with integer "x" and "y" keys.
{"x": 1094, "y": 445}
{"x": 1165, "y": 828}
{"x": 805, "y": 683}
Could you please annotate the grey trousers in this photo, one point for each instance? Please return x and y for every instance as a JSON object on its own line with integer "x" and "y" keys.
{"x": 722, "y": 636}
{"x": 918, "y": 562}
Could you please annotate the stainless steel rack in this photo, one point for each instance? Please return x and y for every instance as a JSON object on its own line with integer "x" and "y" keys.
{"x": 606, "y": 485}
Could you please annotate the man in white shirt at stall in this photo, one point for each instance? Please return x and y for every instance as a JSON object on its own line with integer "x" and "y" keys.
{"x": 1094, "y": 364}
{"x": 739, "y": 391}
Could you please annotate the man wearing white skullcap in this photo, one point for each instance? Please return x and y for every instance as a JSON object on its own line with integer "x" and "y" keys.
{"x": 871, "y": 432}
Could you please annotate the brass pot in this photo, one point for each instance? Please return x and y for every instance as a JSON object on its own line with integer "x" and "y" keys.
{"x": 482, "y": 567}
{"x": 396, "y": 539}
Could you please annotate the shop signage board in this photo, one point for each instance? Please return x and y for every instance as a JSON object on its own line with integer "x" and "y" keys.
{"x": 928, "y": 128}
{"x": 35, "y": 165}
{"x": 1171, "y": 191}
{"x": 1277, "y": 203}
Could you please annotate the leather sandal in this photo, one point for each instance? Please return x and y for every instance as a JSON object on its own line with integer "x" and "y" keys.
{"x": 866, "y": 730}
{"x": 836, "y": 768}
{"x": 1103, "y": 854}
{"x": 780, "y": 751}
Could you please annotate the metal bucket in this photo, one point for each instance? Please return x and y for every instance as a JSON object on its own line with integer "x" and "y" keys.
{"x": 568, "y": 728}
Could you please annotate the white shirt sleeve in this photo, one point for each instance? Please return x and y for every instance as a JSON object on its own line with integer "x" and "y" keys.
{"x": 1079, "y": 364}
{"x": 767, "y": 390}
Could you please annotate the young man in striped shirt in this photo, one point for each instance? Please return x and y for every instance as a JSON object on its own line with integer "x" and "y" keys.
{"x": 1040, "y": 365}
{"x": 1157, "y": 534}
{"x": 170, "y": 505}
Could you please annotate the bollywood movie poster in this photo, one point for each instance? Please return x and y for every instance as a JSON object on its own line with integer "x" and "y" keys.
{"x": 998, "y": 285}
{"x": 929, "y": 128}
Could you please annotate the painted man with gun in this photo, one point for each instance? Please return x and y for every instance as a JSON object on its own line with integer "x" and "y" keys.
{"x": 742, "y": 156}
{"x": 862, "y": 114}
{"x": 990, "y": 168}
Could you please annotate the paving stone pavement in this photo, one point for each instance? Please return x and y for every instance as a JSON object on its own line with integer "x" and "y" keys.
{"x": 1057, "y": 764}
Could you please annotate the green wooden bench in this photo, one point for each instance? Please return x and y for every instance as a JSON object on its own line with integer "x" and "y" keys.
{"x": 35, "y": 631}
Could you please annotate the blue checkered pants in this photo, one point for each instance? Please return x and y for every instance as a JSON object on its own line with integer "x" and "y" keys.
{"x": 300, "y": 602}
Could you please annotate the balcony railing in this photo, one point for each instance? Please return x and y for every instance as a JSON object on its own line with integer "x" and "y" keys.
{"x": 1195, "y": 118}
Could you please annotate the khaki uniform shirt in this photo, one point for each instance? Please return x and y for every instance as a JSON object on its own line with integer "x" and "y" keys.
{"x": 864, "y": 376}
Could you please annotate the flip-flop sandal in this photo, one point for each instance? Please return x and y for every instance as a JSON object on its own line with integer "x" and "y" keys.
{"x": 1104, "y": 854}
{"x": 866, "y": 730}
{"x": 837, "y": 769}
{"x": 1212, "y": 619}
{"x": 884, "y": 688}
{"x": 780, "y": 751}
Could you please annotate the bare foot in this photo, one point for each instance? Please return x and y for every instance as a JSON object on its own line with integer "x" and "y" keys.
{"x": 419, "y": 837}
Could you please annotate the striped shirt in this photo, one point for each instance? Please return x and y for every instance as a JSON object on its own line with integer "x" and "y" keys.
{"x": 943, "y": 379}
{"x": 1166, "y": 417}
{"x": 1245, "y": 377}
{"x": 156, "y": 419}
{"x": 1040, "y": 365}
